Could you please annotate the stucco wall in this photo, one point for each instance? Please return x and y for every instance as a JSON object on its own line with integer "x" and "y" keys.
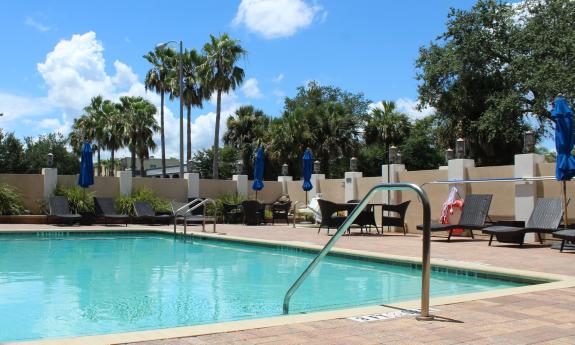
{"x": 503, "y": 202}
{"x": 295, "y": 191}
{"x": 333, "y": 189}
{"x": 31, "y": 187}
{"x": 171, "y": 189}
{"x": 214, "y": 188}
{"x": 104, "y": 186}
{"x": 271, "y": 192}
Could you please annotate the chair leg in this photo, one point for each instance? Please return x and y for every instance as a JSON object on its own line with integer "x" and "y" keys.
{"x": 472, "y": 237}
{"x": 449, "y": 236}
{"x": 540, "y": 238}
{"x": 490, "y": 240}
{"x": 562, "y": 246}
{"x": 404, "y": 230}
{"x": 319, "y": 229}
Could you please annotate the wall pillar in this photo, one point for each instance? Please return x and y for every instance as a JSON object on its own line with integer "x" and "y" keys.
{"x": 457, "y": 170}
{"x": 193, "y": 180}
{"x": 284, "y": 180}
{"x": 526, "y": 192}
{"x": 241, "y": 184}
{"x": 351, "y": 184}
{"x": 316, "y": 182}
{"x": 50, "y": 181}
{"x": 125, "y": 182}
{"x": 394, "y": 170}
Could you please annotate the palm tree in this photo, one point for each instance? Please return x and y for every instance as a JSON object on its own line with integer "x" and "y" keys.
{"x": 386, "y": 126}
{"x": 89, "y": 127}
{"x": 140, "y": 126}
{"x": 159, "y": 79}
{"x": 220, "y": 74}
{"x": 113, "y": 130}
{"x": 246, "y": 131}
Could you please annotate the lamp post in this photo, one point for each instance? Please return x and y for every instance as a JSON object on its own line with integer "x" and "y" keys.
{"x": 50, "y": 159}
{"x": 528, "y": 142}
{"x": 181, "y": 85}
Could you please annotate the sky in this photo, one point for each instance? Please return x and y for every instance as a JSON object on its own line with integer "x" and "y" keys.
{"x": 56, "y": 55}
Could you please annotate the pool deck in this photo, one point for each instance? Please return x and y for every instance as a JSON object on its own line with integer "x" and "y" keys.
{"x": 546, "y": 317}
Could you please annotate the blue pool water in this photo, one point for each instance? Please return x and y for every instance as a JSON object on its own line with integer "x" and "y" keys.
{"x": 62, "y": 285}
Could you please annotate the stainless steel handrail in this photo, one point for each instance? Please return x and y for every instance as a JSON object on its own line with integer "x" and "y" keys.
{"x": 206, "y": 200}
{"x": 425, "y": 258}
{"x": 181, "y": 209}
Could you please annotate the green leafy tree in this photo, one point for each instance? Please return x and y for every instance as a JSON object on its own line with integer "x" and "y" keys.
{"x": 202, "y": 162}
{"x": 220, "y": 74}
{"x": 12, "y": 156}
{"x": 113, "y": 130}
{"x": 159, "y": 79}
{"x": 246, "y": 132}
{"x": 421, "y": 150}
{"x": 90, "y": 126}
{"x": 37, "y": 150}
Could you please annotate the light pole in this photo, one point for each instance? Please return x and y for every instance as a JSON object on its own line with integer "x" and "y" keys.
{"x": 181, "y": 86}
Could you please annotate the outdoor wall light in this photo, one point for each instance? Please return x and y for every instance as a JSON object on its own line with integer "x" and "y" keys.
{"x": 316, "y": 167}
{"x": 449, "y": 154}
{"x": 239, "y": 167}
{"x": 285, "y": 171}
{"x": 528, "y": 142}
{"x": 392, "y": 154}
{"x": 398, "y": 158}
{"x": 353, "y": 164}
{"x": 460, "y": 148}
{"x": 190, "y": 166}
{"x": 50, "y": 159}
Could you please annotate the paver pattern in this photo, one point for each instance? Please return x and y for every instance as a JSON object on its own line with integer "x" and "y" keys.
{"x": 545, "y": 317}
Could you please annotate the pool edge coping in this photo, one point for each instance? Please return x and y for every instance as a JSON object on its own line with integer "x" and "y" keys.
{"x": 553, "y": 281}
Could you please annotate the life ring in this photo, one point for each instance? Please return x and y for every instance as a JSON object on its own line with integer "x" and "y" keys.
{"x": 448, "y": 210}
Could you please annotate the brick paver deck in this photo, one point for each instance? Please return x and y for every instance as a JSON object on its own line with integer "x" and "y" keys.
{"x": 545, "y": 317}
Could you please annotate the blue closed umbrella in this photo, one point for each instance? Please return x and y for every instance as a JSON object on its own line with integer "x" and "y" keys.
{"x": 259, "y": 171}
{"x": 307, "y": 171}
{"x": 565, "y": 165}
{"x": 86, "y": 178}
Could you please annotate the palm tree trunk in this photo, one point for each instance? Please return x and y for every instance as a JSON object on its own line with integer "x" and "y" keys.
{"x": 162, "y": 138}
{"x": 142, "y": 171}
{"x": 215, "y": 164}
{"x": 99, "y": 162}
{"x": 189, "y": 148}
{"x": 112, "y": 164}
{"x": 133, "y": 160}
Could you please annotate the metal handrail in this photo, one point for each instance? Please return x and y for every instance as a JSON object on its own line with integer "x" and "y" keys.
{"x": 426, "y": 257}
{"x": 190, "y": 209}
{"x": 182, "y": 208}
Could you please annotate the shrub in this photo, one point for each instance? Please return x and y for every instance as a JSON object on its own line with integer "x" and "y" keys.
{"x": 228, "y": 198}
{"x": 10, "y": 201}
{"x": 124, "y": 203}
{"x": 79, "y": 199}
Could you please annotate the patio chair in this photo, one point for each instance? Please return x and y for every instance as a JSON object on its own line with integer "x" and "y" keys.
{"x": 253, "y": 212}
{"x": 232, "y": 213}
{"x": 280, "y": 210}
{"x": 329, "y": 217}
{"x": 145, "y": 212}
{"x": 398, "y": 219}
{"x": 104, "y": 207}
{"x": 545, "y": 218}
{"x": 473, "y": 215}
{"x": 59, "y": 211}
{"x": 366, "y": 218}
{"x": 565, "y": 235}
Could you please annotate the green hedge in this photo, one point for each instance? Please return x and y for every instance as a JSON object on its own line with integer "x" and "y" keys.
{"x": 124, "y": 203}
{"x": 11, "y": 201}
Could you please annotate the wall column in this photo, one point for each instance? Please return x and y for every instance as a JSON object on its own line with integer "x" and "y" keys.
{"x": 457, "y": 170}
{"x": 316, "y": 182}
{"x": 351, "y": 184}
{"x": 241, "y": 184}
{"x": 193, "y": 180}
{"x": 50, "y": 181}
{"x": 394, "y": 170}
{"x": 284, "y": 180}
{"x": 125, "y": 182}
{"x": 526, "y": 192}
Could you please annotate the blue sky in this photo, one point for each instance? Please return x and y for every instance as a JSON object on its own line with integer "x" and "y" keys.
{"x": 57, "y": 54}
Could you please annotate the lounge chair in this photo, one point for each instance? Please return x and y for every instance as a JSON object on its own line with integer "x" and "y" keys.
{"x": 187, "y": 214}
{"x": 397, "y": 220}
{"x": 145, "y": 212}
{"x": 59, "y": 211}
{"x": 545, "y": 218}
{"x": 366, "y": 218}
{"x": 473, "y": 215}
{"x": 232, "y": 213}
{"x": 280, "y": 210}
{"x": 565, "y": 235}
{"x": 329, "y": 217}
{"x": 104, "y": 208}
{"x": 253, "y": 212}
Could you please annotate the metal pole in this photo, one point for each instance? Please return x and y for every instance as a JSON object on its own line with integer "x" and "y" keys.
{"x": 564, "y": 204}
{"x": 181, "y": 110}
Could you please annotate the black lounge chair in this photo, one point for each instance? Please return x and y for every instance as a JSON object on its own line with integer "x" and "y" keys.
{"x": 253, "y": 212}
{"x": 329, "y": 217}
{"x": 397, "y": 220}
{"x": 545, "y": 218}
{"x": 365, "y": 218}
{"x": 232, "y": 213}
{"x": 104, "y": 207}
{"x": 59, "y": 211}
{"x": 145, "y": 212}
{"x": 280, "y": 210}
{"x": 565, "y": 235}
{"x": 473, "y": 215}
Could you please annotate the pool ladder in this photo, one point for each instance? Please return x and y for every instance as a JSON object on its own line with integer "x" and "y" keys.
{"x": 196, "y": 204}
{"x": 425, "y": 258}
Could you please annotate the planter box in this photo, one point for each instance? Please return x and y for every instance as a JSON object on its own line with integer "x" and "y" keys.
{"x": 24, "y": 219}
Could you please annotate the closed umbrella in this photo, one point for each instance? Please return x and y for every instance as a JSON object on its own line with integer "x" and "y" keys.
{"x": 86, "y": 178}
{"x": 307, "y": 171}
{"x": 565, "y": 165}
{"x": 259, "y": 171}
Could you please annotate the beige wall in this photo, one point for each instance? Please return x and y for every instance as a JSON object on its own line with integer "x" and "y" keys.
{"x": 104, "y": 186}
{"x": 168, "y": 188}
{"x": 270, "y": 193}
{"x": 554, "y": 189}
{"x": 295, "y": 191}
{"x": 333, "y": 189}
{"x": 31, "y": 187}
{"x": 503, "y": 202}
{"x": 364, "y": 184}
{"x": 214, "y": 188}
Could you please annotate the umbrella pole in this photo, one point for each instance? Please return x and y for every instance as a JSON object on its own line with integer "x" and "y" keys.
{"x": 256, "y": 195}
{"x": 306, "y": 197}
{"x": 564, "y": 204}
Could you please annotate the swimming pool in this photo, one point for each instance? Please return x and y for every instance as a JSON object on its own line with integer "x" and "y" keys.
{"x": 56, "y": 285}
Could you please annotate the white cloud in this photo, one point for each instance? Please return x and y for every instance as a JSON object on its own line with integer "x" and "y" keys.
{"x": 278, "y": 78}
{"x": 408, "y": 107}
{"x": 12, "y": 106}
{"x": 36, "y": 24}
{"x": 280, "y": 96}
{"x": 277, "y": 18}
{"x": 251, "y": 89}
